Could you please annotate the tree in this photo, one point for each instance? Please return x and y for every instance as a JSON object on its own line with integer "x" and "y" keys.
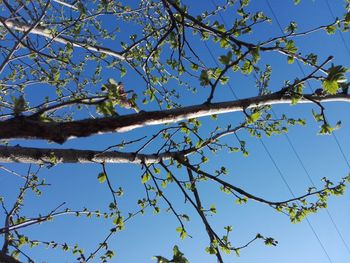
{"x": 77, "y": 69}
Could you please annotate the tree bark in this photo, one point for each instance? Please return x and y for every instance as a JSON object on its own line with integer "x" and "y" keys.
{"x": 11, "y": 154}
{"x": 29, "y": 128}
{"x": 7, "y": 259}
{"x": 45, "y": 32}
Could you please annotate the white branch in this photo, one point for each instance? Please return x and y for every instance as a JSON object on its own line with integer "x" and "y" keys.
{"x": 29, "y": 128}
{"x": 45, "y": 32}
{"x": 66, "y": 4}
{"x": 11, "y": 154}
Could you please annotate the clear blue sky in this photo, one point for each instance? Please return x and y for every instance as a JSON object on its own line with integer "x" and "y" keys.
{"x": 150, "y": 235}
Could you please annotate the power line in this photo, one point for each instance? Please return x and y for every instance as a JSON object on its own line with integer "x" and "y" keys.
{"x": 348, "y": 52}
{"x": 334, "y": 136}
{"x": 308, "y": 83}
{"x": 341, "y": 150}
{"x": 289, "y": 141}
{"x": 340, "y": 33}
{"x": 303, "y": 72}
{"x": 281, "y": 29}
{"x": 279, "y": 170}
{"x": 301, "y": 69}
{"x": 293, "y": 195}
{"x": 214, "y": 59}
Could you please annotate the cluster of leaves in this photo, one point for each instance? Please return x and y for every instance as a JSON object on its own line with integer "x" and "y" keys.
{"x": 335, "y": 79}
{"x": 299, "y": 210}
{"x": 116, "y": 95}
{"x": 159, "y": 51}
{"x": 178, "y": 257}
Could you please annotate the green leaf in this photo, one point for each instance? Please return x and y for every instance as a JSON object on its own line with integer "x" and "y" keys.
{"x": 106, "y": 108}
{"x": 336, "y": 76}
{"x": 270, "y": 242}
{"x": 194, "y": 66}
{"x": 244, "y": 3}
{"x": 224, "y": 43}
{"x": 204, "y": 78}
{"x": 182, "y": 232}
{"x": 347, "y": 18}
{"x": 256, "y": 54}
{"x": 228, "y": 228}
{"x": 224, "y": 80}
{"x": 81, "y": 8}
{"x": 290, "y": 46}
{"x": 213, "y": 209}
{"x": 123, "y": 71}
{"x": 120, "y": 191}
{"x": 290, "y": 59}
{"x": 204, "y": 159}
{"x": 331, "y": 30}
{"x": 109, "y": 254}
{"x": 330, "y": 86}
{"x": 291, "y": 27}
{"x": 19, "y": 105}
{"x": 119, "y": 221}
{"x": 164, "y": 184}
{"x": 247, "y": 67}
{"x": 179, "y": 229}
{"x": 211, "y": 250}
{"x": 102, "y": 177}
{"x": 145, "y": 178}
{"x": 254, "y": 117}
{"x": 55, "y": 73}
{"x": 226, "y": 59}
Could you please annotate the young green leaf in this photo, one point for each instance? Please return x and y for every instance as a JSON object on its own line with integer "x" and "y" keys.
{"x": 102, "y": 177}
{"x": 145, "y": 178}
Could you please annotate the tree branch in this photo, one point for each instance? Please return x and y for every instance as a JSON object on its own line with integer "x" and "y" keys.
{"x": 7, "y": 259}
{"x": 59, "y": 132}
{"x": 45, "y": 32}
{"x": 10, "y": 154}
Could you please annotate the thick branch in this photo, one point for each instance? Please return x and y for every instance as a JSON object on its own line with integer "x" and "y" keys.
{"x": 28, "y": 128}
{"x": 7, "y": 259}
{"x": 45, "y": 32}
{"x": 10, "y": 154}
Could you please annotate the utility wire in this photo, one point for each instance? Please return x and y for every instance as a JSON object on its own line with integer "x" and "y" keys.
{"x": 282, "y": 31}
{"x": 348, "y": 52}
{"x": 334, "y": 136}
{"x": 214, "y": 59}
{"x": 339, "y": 32}
{"x": 267, "y": 151}
{"x": 341, "y": 150}
{"x": 293, "y": 195}
{"x": 308, "y": 83}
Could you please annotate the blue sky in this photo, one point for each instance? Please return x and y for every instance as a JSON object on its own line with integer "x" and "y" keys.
{"x": 148, "y": 235}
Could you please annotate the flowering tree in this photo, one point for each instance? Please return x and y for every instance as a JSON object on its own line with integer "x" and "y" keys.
{"x": 74, "y": 69}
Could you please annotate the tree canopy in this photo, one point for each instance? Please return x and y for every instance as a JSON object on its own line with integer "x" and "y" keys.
{"x": 159, "y": 103}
